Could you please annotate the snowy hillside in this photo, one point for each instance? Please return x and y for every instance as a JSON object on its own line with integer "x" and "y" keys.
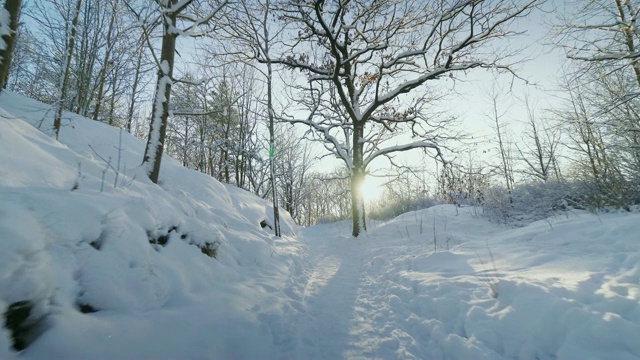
{"x": 112, "y": 266}
{"x": 129, "y": 253}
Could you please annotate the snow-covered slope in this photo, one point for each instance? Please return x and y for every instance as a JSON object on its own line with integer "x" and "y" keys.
{"x": 115, "y": 270}
{"x": 75, "y": 238}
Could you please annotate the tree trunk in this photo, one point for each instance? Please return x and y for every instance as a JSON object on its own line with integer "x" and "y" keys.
{"x": 185, "y": 143}
{"x": 57, "y": 120}
{"x": 136, "y": 79}
{"x": 158, "y": 127}
{"x": 357, "y": 178}
{"x": 112, "y": 101}
{"x": 105, "y": 66}
{"x": 12, "y": 7}
{"x": 506, "y": 168}
{"x": 272, "y": 147}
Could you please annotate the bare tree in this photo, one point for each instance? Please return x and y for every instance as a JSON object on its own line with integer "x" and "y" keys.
{"x": 540, "y": 147}
{"x": 603, "y": 39}
{"x": 463, "y": 183}
{"x": 98, "y": 63}
{"x": 294, "y": 161}
{"x": 371, "y": 56}
{"x": 171, "y": 14}
{"x": 252, "y": 27}
{"x": 106, "y": 60}
{"x": 66, "y": 68}
{"x": 602, "y": 31}
{"x": 594, "y": 162}
{"x": 138, "y": 73}
{"x": 408, "y": 190}
{"x": 326, "y": 198}
{"x": 614, "y": 96}
{"x": 504, "y": 146}
{"x": 603, "y": 36}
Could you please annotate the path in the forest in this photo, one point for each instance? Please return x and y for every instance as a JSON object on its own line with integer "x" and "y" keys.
{"x": 384, "y": 295}
{"x": 324, "y": 293}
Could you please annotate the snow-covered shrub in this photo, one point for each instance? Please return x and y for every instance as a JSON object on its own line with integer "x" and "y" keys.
{"x": 496, "y": 205}
{"x": 529, "y": 202}
{"x": 596, "y": 195}
{"x": 327, "y": 219}
{"x": 533, "y": 201}
{"x": 391, "y": 207}
{"x": 538, "y": 200}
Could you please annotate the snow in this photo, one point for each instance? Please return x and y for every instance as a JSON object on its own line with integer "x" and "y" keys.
{"x": 440, "y": 283}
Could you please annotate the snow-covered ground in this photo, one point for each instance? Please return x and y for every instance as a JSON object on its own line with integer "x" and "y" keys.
{"x": 114, "y": 268}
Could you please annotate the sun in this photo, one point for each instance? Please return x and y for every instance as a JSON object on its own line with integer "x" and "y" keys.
{"x": 371, "y": 190}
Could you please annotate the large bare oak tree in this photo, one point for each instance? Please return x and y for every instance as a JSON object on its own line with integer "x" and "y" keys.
{"x": 367, "y": 64}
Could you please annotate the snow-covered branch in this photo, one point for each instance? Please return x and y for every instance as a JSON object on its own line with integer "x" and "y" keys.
{"x": 404, "y": 147}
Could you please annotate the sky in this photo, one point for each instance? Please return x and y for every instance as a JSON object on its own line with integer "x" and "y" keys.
{"x": 538, "y": 67}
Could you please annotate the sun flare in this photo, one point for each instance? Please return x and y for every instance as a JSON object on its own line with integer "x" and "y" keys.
{"x": 371, "y": 190}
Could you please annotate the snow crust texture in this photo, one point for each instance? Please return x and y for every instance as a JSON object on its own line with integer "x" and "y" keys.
{"x": 114, "y": 267}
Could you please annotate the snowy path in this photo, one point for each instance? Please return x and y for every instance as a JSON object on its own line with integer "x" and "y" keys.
{"x": 390, "y": 296}
{"x": 357, "y": 299}
{"x": 323, "y": 296}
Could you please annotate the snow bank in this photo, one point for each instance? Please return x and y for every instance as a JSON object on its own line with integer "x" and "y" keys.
{"x": 110, "y": 261}
{"x": 562, "y": 288}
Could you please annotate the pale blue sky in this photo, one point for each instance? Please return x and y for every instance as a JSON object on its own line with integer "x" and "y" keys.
{"x": 541, "y": 66}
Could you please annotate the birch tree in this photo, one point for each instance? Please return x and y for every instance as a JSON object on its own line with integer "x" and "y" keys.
{"x": 375, "y": 58}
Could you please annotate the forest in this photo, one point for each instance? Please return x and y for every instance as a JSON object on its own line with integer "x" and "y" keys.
{"x": 263, "y": 94}
{"x": 319, "y": 179}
